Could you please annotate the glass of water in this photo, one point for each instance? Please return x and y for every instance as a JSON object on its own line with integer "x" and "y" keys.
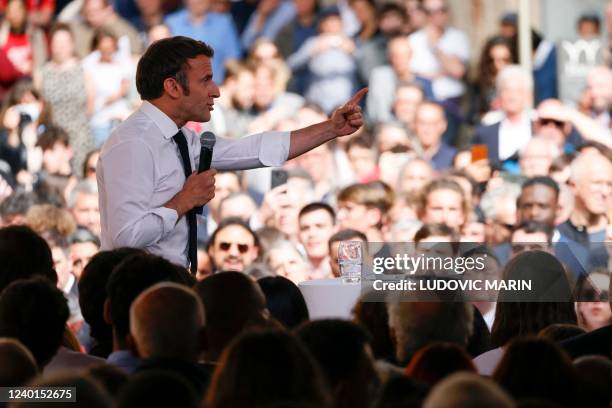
{"x": 350, "y": 257}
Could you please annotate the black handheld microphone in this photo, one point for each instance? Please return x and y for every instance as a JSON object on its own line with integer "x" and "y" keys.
{"x": 207, "y": 142}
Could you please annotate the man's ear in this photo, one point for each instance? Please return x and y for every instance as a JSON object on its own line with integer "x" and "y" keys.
{"x": 106, "y": 313}
{"x": 172, "y": 88}
{"x": 132, "y": 346}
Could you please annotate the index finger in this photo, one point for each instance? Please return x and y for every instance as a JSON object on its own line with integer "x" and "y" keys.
{"x": 354, "y": 101}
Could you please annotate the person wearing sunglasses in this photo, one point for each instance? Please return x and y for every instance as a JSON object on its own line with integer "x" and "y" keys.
{"x": 567, "y": 127}
{"x": 233, "y": 246}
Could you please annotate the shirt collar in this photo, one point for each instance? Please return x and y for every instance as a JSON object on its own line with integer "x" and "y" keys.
{"x": 163, "y": 121}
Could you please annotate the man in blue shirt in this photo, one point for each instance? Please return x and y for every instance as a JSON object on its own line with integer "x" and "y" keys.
{"x": 217, "y": 30}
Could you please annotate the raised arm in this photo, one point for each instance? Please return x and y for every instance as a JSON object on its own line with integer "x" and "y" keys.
{"x": 345, "y": 120}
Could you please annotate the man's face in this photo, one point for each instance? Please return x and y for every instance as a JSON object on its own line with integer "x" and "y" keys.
{"x": 600, "y": 88}
{"x": 315, "y": 229}
{"x": 536, "y": 159}
{"x": 513, "y": 96}
{"x": 594, "y": 187}
{"x": 430, "y": 124}
{"x": 86, "y": 212}
{"x": 538, "y": 203}
{"x": 225, "y": 184}
{"x": 400, "y": 55}
{"x": 392, "y": 136}
{"x": 61, "y": 264}
{"x": 437, "y": 12}
{"x": 80, "y": 254}
{"x": 356, "y": 216}
{"x": 407, "y": 99}
{"x": 57, "y": 159}
{"x": 202, "y": 90}
{"x": 415, "y": 176}
{"x": 242, "y": 207}
{"x": 234, "y": 249}
{"x": 444, "y": 207}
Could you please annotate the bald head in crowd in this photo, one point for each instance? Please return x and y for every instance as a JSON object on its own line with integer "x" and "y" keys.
{"x": 591, "y": 183}
{"x": 167, "y": 320}
{"x": 18, "y": 365}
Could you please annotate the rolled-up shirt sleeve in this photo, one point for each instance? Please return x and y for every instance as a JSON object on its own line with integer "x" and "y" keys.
{"x": 130, "y": 176}
{"x": 269, "y": 149}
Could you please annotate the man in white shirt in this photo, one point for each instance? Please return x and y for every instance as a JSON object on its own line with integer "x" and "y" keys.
{"x": 146, "y": 200}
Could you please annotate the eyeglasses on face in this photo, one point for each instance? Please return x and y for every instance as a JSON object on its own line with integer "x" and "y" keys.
{"x": 225, "y": 246}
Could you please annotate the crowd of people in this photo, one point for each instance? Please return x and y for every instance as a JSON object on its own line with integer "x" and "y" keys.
{"x": 460, "y": 145}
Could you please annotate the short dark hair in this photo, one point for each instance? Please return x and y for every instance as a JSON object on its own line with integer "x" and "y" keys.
{"x": 95, "y": 276}
{"x": 284, "y": 300}
{"x": 431, "y": 230}
{"x": 17, "y": 203}
{"x": 312, "y": 207}
{"x": 543, "y": 180}
{"x": 167, "y": 58}
{"x": 24, "y": 254}
{"x": 131, "y": 277}
{"x": 35, "y": 312}
{"x": 226, "y": 222}
{"x": 345, "y": 235}
{"x": 52, "y": 135}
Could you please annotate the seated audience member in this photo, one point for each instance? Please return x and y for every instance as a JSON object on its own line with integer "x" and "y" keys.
{"x": 317, "y": 224}
{"x": 334, "y": 243}
{"x": 536, "y": 157}
{"x": 364, "y": 207}
{"x": 536, "y": 369}
{"x": 506, "y": 137}
{"x": 34, "y": 312}
{"x": 24, "y": 254}
{"x": 284, "y": 301}
{"x": 435, "y": 362}
{"x": 286, "y": 260}
{"x": 157, "y": 388}
{"x": 167, "y": 332}
{"x": 18, "y": 364}
{"x": 530, "y": 236}
{"x": 83, "y": 204}
{"x": 233, "y": 302}
{"x": 415, "y": 325}
{"x": 468, "y": 390}
{"x": 130, "y": 278}
{"x": 343, "y": 352}
{"x": 415, "y": 175}
{"x": 386, "y": 79}
{"x": 443, "y": 202}
{"x": 233, "y": 246}
{"x": 429, "y": 126}
{"x": 91, "y": 299}
{"x": 83, "y": 245}
{"x": 267, "y": 368}
{"x": 526, "y": 313}
{"x": 592, "y": 298}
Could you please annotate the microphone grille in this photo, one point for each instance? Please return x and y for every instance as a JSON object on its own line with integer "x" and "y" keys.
{"x": 208, "y": 139}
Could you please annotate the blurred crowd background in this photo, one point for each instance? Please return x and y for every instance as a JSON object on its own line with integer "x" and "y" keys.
{"x": 462, "y": 143}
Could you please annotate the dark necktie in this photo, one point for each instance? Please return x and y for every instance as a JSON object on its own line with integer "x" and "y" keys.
{"x": 181, "y": 142}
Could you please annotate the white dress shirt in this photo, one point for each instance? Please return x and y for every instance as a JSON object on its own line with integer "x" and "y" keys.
{"x": 140, "y": 169}
{"x": 513, "y": 138}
